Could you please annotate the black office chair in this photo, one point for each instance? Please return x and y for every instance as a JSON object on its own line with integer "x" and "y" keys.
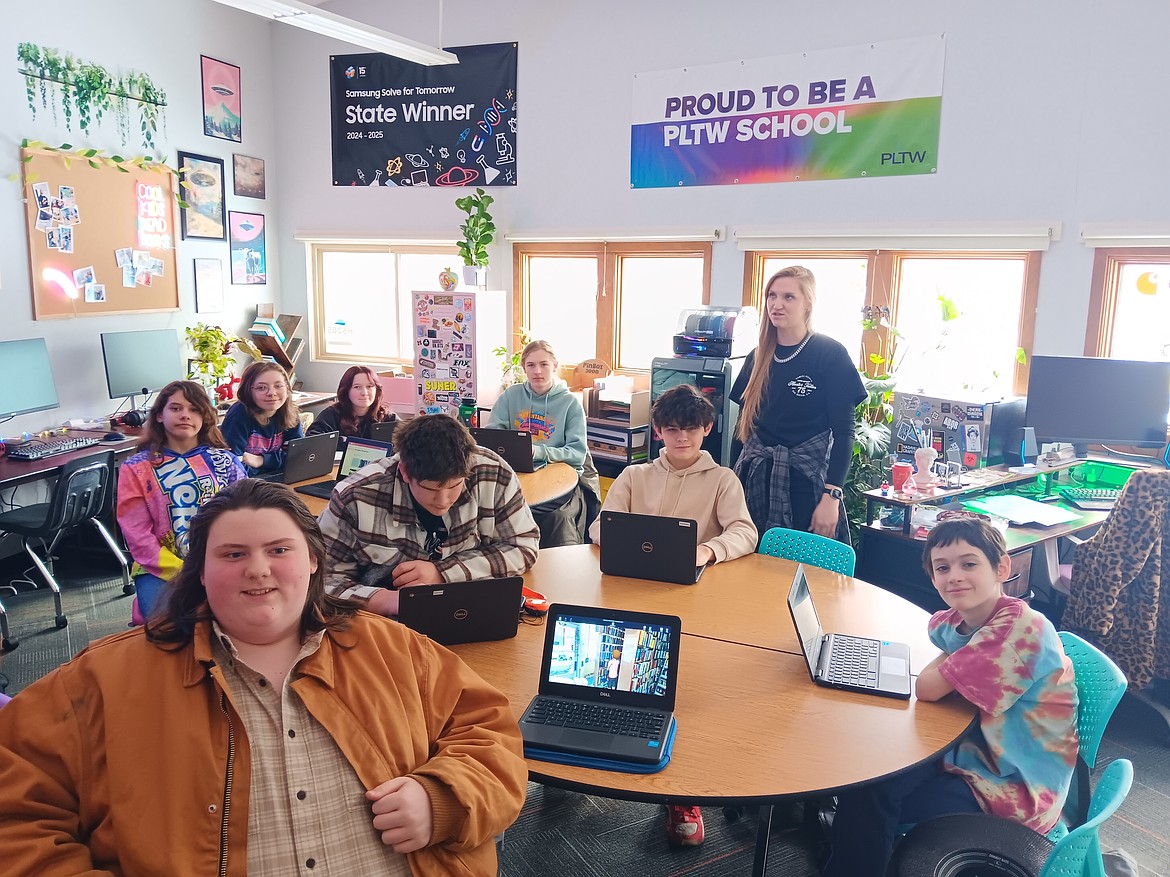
{"x": 84, "y": 491}
{"x": 7, "y": 643}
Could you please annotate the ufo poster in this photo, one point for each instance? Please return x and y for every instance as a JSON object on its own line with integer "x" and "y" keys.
{"x": 201, "y": 181}
{"x": 221, "y": 99}
{"x": 249, "y": 260}
{"x": 400, "y": 124}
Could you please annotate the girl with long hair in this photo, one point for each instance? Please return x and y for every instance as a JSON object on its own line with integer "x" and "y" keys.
{"x": 797, "y": 393}
{"x": 182, "y": 461}
{"x": 358, "y": 407}
{"x": 263, "y": 418}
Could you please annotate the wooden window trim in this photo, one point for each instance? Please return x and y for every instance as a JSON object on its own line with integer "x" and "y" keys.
{"x": 1103, "y": 293}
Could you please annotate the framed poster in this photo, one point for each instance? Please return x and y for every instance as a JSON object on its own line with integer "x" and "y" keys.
{"x": 208, "y": 286}
{"x": 249, "y": 263}
{"x": 221, "y": 99}
{"x": 248, "y": 176}
{"x": 201, "y": 179}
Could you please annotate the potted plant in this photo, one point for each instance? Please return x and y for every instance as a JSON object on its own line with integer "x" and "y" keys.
{"x": 214, "y": 355}
{"x": 511, "y": 371}
{"x": 478, "y": 231}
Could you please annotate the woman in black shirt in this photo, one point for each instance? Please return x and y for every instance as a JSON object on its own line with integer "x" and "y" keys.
{"x": 359, "y": 406}
{"x": 797, "y": 393}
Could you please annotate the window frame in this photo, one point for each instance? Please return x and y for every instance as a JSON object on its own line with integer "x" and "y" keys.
{"x": 883, "y": 275}
{"x": 316, "y": 300}
{"x": 1103, "y": 293}
{"x": 609, "y": 257}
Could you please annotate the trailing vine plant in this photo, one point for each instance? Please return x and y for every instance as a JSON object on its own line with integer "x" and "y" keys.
{"x": 90, "y": 90}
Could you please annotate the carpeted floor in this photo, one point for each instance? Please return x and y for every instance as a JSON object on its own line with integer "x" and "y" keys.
{"x": 566, "y": 833}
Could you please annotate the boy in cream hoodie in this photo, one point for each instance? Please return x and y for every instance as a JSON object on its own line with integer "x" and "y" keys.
{"x": 685, "y": 482}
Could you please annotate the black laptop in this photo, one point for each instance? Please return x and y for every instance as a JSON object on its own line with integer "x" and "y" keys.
{"x": 607, "y": 684}
{"x": 383, "y": 431}
{"x": 463, "y": 612}
{"x": 514, "y": 445}
{"x": 305, "y": 458}
{"x": 652, "y": 547}
{"x": 837, "y": 660}
{"x": 359, "y": 452}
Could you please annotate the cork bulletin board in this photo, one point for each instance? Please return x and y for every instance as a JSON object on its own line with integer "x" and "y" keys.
{"x": 100, "y": 241}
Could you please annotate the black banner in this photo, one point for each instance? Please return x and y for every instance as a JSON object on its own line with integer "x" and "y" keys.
{"x": 396, "y": 123}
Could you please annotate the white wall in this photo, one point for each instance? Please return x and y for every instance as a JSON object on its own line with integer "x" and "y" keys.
{"x": 165, "y": 41}
{"x": 1053, "y": 110}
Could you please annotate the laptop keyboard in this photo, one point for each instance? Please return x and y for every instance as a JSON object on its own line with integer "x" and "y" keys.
{"x": 597, "y": 717}
{"x": 854, "y": 661}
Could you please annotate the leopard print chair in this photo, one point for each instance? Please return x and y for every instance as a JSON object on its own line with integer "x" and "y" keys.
{"x": 1116, "y": 594}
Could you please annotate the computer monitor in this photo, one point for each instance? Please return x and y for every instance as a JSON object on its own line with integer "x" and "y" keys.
{"x": 141, "y": 362}
{"x": 26, "y": 378}
{"x": 1089, "y": 401}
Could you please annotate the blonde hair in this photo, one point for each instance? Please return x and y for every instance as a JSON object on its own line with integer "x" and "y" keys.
{"x": 757, "y": 384}
{"x": 533, "y": 346}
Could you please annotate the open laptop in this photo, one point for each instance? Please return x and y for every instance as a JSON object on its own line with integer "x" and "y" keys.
{"x": 854, "y": 663}
{"x": 307, "y": 457}
{"x": 650, "y": 547}
{"x": 511, "y": 444}
{"x": 359, "y": 452}
{"x": 463, "y": 612}
{"x": 607, "y": 684}
{"x": 383, "y": 431}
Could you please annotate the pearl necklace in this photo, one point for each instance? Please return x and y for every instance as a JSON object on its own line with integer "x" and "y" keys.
{"x": 794, "y": 353}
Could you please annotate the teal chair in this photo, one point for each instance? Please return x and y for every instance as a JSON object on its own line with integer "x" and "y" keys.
{"x": 809, "y": 548}
{"x": 1100, "y": 687}
{"x": 995, "y": 847}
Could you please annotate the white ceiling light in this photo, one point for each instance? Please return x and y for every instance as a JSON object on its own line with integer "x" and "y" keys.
{"x": 327, "y": 24}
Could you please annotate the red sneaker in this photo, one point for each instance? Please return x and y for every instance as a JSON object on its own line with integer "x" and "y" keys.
{"x": 684, "y": 826}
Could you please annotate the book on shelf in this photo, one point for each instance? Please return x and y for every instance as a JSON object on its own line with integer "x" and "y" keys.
{"x": 268, "y": 326}
{"x": 634, "y": 438}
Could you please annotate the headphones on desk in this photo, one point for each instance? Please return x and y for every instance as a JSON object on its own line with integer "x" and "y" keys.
{"x": 134, "y": 418}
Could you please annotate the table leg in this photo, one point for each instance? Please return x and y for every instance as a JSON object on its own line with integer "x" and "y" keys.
{"x": 763, "y": 835}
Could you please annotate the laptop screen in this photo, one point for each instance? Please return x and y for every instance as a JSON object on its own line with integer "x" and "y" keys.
{"x": 607, "y": 654}
{"x": 804, "y": 618}
{"x": 361, "y": 452}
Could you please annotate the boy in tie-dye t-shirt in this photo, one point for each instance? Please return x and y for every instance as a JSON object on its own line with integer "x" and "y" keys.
{"x": 1007, "y": 660}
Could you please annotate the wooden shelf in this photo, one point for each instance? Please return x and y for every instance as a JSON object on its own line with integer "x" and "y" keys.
{"x": 288, "y": 353}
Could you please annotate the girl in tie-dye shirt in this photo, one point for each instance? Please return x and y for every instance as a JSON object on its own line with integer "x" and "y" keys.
{"x": 182, "y": 461}
{"x": 1007, "y": 660}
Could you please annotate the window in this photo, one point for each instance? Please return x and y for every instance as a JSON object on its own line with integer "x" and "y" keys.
{"x": 963, "y": 318}
{"x": 616, "y": 302}
{"x": 361, "y": 298}
{"x": 1129, "y": 306}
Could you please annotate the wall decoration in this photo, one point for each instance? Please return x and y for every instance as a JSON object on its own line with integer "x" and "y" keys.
{"x": 248, "y": 176}
{"x": 208, "y": 286}
{"x": 872, "y": 110}
{"x": 221, "y": 99}
{"x": 90, "y": 90}
{"x": 249, "y": 263}
{"x": 397, "y": 123}
{"x": 201, "y": 180}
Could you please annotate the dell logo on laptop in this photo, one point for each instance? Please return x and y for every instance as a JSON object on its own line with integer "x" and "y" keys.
{"x": 647, "y": 547}
{"x": 460, "y": 614}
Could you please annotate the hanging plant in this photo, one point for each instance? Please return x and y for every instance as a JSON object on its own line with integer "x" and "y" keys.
{"x": 97, "y": 158}
{"x": 90, "y": 90}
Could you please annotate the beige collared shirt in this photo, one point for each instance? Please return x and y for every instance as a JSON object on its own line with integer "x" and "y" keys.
{"x": 308, "y": 813}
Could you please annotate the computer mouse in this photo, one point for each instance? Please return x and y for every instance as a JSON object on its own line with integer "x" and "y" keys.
{"x": 114, "y": 437}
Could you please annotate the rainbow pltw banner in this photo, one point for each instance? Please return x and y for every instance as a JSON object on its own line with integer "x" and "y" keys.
{"x": 859, "y": 111}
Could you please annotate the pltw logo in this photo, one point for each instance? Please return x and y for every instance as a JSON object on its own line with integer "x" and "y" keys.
{"x": 916, "y": 157}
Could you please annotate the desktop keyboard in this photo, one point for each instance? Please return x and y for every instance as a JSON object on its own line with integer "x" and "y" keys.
{"x": 1091, "y": 498}
{"x": 38, "y": 449}
{"x": 854, "y": 661}
{"x": 593, "y": 717}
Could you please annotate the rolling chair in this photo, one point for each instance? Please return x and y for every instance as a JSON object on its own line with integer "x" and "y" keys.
{"x": 7, "y": 643}
{"x": 809, "y": 548}
{"x": 975, "y": 843}
{"x": 84, "y": 490}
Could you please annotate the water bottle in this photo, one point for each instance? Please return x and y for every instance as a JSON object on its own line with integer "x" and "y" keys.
{"x": 467, "y": 412}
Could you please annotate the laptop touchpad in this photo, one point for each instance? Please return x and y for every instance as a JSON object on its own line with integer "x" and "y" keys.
{"x": 587, "y": 739}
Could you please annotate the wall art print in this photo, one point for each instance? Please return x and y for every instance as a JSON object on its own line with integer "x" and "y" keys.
{"x": 221, "y": 99}
{"x": 248, "y": 176}
{"x": 201, "y": 180}
{"x": 249, "y": 261}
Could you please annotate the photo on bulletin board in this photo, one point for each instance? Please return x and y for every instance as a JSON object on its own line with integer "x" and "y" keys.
{"x": 246, "y": 234}
{"x": 208, "y": 286}
{"x": 201, "y": 179}
{"x": 221, "y": 99}
{"x": 248, "y": 176}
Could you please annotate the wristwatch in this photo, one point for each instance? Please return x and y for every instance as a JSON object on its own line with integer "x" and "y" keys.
{"x": 835, "y": 492}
